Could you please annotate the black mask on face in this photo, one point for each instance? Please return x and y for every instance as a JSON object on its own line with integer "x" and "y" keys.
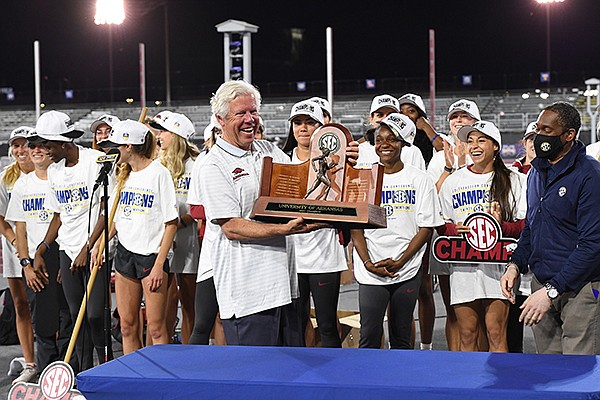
{"x": 547, "y": 147}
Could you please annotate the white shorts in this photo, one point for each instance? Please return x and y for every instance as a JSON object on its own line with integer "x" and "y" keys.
{"x": 187, "y": 251}
{"x": 10, "y": 261}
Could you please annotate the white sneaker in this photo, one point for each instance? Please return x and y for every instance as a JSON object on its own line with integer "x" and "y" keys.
{"x": 27, "y": 375}
{"x": 16, "y": 366}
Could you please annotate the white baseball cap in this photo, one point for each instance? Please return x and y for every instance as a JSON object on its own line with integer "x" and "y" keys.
{"x": 126, "y": 132}
{"x": 384, "y": 100}
{"x": 465, "y": 105}
{"x": 448, "y": 138}
{"x": 107, "y": 119}
{"x": 324, "y": 104}
{"x": 54, "y": 126}
{"x": 415, "y": 100}
{"x": 307, "y": 107}
{"x": 174, "y": 122}
{"x": 531, "y": 130}
{"x": 401, "y": 126}
{"x": 20, "y": 132}
{"x": 209, "y": 128}
{"x": 486, "y": 127}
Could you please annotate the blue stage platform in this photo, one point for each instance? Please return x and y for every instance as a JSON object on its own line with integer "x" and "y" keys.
{"x": 212, "y": 372}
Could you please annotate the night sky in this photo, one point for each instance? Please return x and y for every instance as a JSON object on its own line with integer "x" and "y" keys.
{"x": 371, "y": 40}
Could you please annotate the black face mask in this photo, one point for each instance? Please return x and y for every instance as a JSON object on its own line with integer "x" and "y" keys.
{"x": 547, "y": 147}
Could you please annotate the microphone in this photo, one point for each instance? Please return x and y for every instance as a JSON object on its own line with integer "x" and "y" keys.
{"x": 107, "y": 160}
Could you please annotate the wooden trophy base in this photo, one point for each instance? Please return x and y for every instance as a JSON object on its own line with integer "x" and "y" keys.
{"x": 341, "y": 215}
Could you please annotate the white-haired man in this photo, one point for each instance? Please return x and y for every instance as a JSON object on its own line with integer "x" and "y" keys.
{"x": 254, "y": 281}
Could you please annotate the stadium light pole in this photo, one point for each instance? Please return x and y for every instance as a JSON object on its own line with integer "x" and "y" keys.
{"x": 151, "y": 6}
{"x": 548, "y": 4}
{"x": 110, "y": 12}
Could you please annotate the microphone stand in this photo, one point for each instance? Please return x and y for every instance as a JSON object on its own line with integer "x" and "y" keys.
{"x": 108, "y": 353}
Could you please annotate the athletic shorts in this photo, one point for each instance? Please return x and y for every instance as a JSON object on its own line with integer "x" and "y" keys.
{"x": 134, "y": 265}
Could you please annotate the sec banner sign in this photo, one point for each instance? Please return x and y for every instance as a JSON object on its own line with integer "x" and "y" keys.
{"x": 483, "y": 244}
{"x": 56, "y": 383}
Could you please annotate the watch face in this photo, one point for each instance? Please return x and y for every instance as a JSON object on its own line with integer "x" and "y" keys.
{"x": 551, "y": 290}
{"x": 24, "y": 262}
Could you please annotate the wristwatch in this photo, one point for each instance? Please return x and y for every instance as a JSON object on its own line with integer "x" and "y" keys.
{"x": 448, "y": 170}
{"x": 24, "y": 262}
{"x": 551, "y": 291}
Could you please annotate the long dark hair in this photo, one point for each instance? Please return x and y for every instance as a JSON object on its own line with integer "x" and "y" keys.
{"x": 290, "y": 143}
{"x": 501, "y": 190}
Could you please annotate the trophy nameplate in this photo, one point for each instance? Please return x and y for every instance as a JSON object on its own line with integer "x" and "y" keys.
{"x": 324, "y": 188}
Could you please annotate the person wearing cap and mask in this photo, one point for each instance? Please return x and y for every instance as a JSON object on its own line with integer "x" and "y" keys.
{"x": 28, "y": 210}
{"x": 77, "y": 211}
{"x": 381, "y": 107}
{"x": 206, "y": 306}
{"x": 178, "y": 154}
{"x": 426, "y": 139}
{"x": 12, "y": 268}
{"x": 146, "y": 223}
{"x": 475, "y": 294}
{"x": 443, "y": 163}
{"x": 325, "y": 107}
{"x": 318, "y": 255}
{"x": 524, "y": 163}
{"x": 101, "y": 127}
{"x": 560, "y": 243}
{"x": 254, "y": 279}
{"x": 387, "y": 261}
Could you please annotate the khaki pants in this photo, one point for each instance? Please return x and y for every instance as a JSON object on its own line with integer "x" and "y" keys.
{"x": 572, "y": 325}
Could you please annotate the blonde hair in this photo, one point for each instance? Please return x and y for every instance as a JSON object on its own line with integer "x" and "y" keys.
{"x": 11, "y": 174}
{"x": 145, "y": 150}
{"x": 176, "y": 153}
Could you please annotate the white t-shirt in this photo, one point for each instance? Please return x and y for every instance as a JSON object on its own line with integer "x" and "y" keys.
{"x": 319, "y": 251}
{"x": 463, "y": 193}
{"x": 193, "y": 197}
{"x": 410, "y": 155}
{"x": 146, "y": 203}
{"x": 28, "y": 204}
{"x": 411, "y": 202}
{"x": 254, "y": 275}
{"x": 205, "y": 270}
{"x": 187, "y": 248}
{"x": 593, "y": 150}
{"x": 72, "y": 188}
{"x": 11, "y": 266}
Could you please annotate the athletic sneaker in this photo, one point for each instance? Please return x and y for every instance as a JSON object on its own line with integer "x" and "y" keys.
{"x": 16, "y": 366}
{"x": 27, "y": 375}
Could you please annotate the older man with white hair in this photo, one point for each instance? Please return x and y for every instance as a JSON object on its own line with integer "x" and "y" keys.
{"x": 254, "y": 280}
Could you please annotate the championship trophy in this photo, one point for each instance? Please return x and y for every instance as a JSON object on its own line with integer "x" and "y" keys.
{"x": 324, "y": 188}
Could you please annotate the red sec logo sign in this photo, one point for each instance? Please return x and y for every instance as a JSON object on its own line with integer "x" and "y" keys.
{"x": 483, "y": 244}
{"x": 483, "y": 232}
{"x": 57, "y": 380}
{"x": 56, "y": 383}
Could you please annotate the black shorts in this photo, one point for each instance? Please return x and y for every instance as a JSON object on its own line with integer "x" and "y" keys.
{"x": 134, "y": 265}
